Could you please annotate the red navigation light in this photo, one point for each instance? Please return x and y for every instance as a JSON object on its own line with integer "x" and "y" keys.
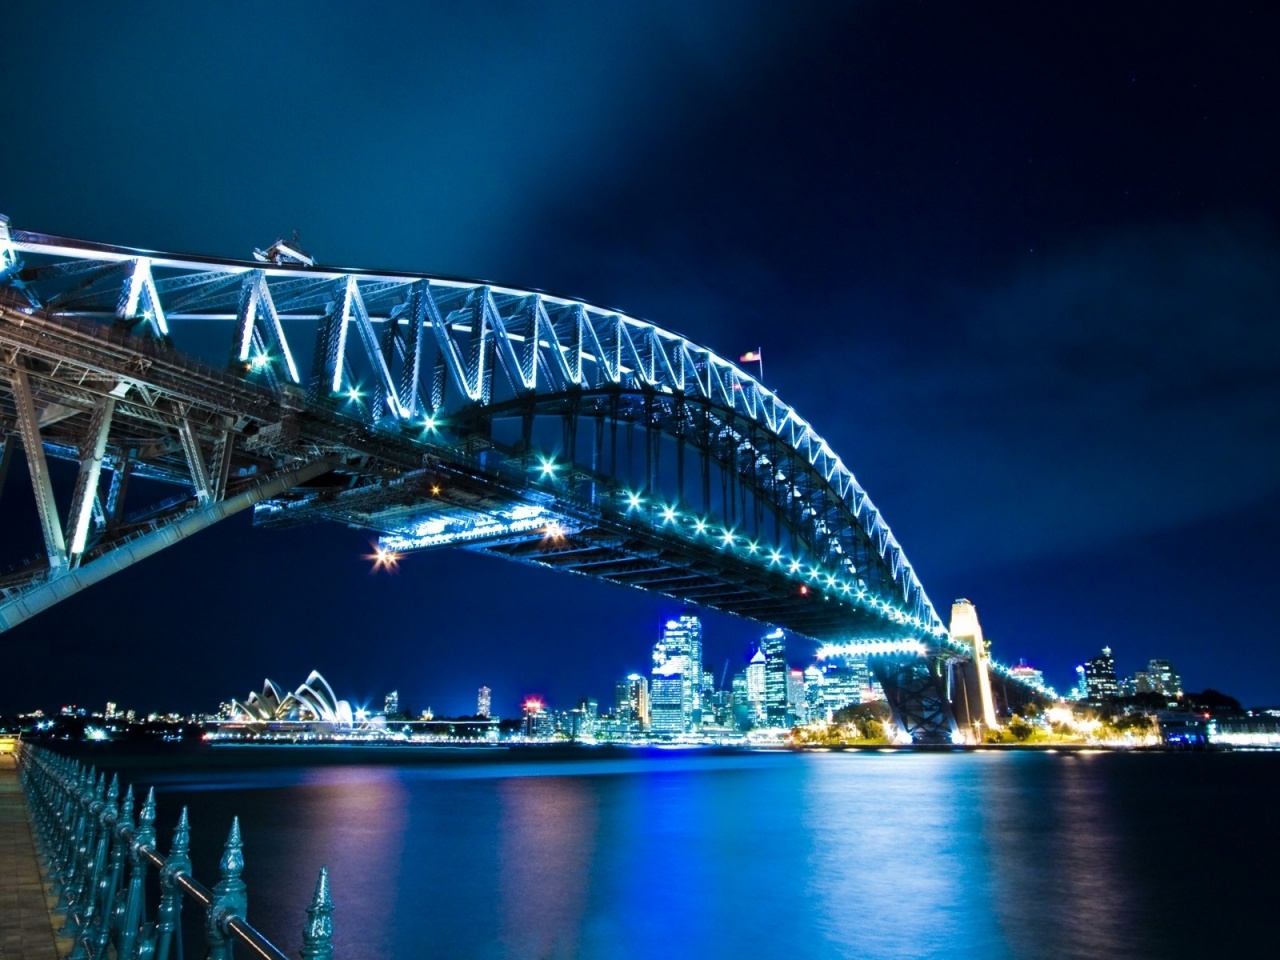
{"x": 804, "y": 590}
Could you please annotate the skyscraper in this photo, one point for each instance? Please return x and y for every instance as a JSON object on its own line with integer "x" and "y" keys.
{"x": 1164, "y": 679}
{"x": 678, "y": 652}
{"x": 482, "y": 702}
{"x": 391, "y": 705}
{"x": 666, "y": 704}
{"x": 1100, "y": 677}
{"x": 756, "y": 687}
{"x": 774, "y": 648}
{"x": 795, "y": 696}
{"x": 815, "y": 702}
{"x": 631, "y": 701}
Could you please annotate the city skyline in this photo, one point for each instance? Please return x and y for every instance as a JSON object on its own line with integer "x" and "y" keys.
{"x": 1019, "y": 268}
{"x": 798, "y": 664}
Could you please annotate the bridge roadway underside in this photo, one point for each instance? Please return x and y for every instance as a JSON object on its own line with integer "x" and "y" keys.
{"x": 590, "y": 539}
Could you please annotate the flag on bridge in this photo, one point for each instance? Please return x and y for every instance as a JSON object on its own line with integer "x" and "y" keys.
{"x": 751, "y": 356}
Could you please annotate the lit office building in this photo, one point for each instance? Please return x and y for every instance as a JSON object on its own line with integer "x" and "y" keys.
{"x": 795, "y": 696}
{"x": 815, "y": 702}
{"x": 631, "y": 702}
{"x": 679, "y": 651}
{"x": 482, "y": 702}
{"x": 774, "y": 648}
{"x": 756, "y": 686}
{"x": 1164, "y": 679}
{"x": 539, "y": 724}
{"x": 391, "y": 703}
{"x": 843, "y": 685}
{"x": 1100, "y": 677}
{"x": 666, "y": 704}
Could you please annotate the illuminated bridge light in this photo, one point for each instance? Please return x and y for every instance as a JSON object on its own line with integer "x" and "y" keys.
{"x": 260, "y": 361}
{"x": 429, "y": 423}
{"x": 794, "y": 567}
{"x": 549, "y": 466}
{"x": 353, "y": 394}
{"x": 634, "y": 500}
{"x": 700, "y": 526}
{"x": 752, "y": 547}
{"x": 728, "y": 538}
{"x": 775, "y": 556}
{"x": 668, "y": 514}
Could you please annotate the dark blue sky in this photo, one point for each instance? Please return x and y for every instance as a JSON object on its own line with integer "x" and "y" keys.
{"x": 1018, "y": 263}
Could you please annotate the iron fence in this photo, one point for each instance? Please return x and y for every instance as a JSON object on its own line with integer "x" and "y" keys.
{"x": 97, "y": 858}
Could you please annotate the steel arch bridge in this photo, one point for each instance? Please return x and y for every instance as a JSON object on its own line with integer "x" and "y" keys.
{"x": 437, "y": 412}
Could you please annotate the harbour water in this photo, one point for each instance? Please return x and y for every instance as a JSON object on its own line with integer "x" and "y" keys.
{"x": 672, "y": 854}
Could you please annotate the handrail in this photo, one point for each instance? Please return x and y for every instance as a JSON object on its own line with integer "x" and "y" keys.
{"x": 87, "y": 834}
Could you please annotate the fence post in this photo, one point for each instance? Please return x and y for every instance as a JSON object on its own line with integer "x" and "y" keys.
{"x": 145, "y": 835}
{"x": 170, "y": 912}
{"x": 317, "y": 932}
{"x": 229, "y": 899}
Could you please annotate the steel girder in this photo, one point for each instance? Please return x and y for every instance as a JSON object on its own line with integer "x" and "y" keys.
{"x": 484, "y": 342}
{"x": 916, "y": 692}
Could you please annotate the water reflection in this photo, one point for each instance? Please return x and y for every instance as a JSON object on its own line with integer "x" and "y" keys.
{"x": 546, "y": 850}
{"x": 895, "y": 868}
{"x": 808, "y": 857}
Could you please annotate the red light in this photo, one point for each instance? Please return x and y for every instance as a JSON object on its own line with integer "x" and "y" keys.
{"x": 804, "y": 590}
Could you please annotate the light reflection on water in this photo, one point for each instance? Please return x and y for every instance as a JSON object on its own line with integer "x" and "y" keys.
{"x": 818, "y": 856}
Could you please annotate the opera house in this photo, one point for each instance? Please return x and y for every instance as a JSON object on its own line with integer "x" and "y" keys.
{"x": 312, "y": 707}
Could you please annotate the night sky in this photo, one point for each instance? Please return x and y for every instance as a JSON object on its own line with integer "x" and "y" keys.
{"x": 1019, "y": 263}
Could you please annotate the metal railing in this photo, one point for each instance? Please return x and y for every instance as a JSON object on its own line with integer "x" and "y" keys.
{"x": 98, "y": 857}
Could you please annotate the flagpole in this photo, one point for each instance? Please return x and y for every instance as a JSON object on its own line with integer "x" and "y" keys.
{"x": 760, "y": 361}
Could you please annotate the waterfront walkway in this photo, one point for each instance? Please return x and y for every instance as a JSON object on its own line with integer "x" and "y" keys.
{"x": 26, "y": 930}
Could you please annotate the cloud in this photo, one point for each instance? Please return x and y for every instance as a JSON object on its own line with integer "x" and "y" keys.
{"x": 1128, "y": 386}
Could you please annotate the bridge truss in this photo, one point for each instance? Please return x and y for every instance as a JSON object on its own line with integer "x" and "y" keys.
{"x": 435, "y": 411}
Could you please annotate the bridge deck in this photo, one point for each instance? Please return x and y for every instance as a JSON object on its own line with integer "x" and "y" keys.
{"x": 26, "y": 928}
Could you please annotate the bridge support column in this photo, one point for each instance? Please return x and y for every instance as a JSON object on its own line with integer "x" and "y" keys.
{"x": 55, "y": 544}
{"x": 916, "y": 691}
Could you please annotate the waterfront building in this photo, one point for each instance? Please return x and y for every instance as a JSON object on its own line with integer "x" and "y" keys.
{"x": 679, "y": 651}
{"x": 1100, "y": 677}
{"x": 483, "y": 702}
{"x": 313, "y": 703}
{"x": 539, "y": 724}
{"x": 584, "y": 719}
{"x": 391, "y": 703}
{"x": 841, "y": 685}
{"x": 774, "y": 647}
{"x": 795, "y": 696}
{"x": 755, "y": 687}
{"x": 815, "y": 703}
{"x": 631, "y": 702}
{"x": 1164, "y": 679}
{"x": 666, "y": 704}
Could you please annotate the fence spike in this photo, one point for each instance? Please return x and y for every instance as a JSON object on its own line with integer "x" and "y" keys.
{"x": 317, "y": 932}
{"x": 181, "y": 836}
{"x": 232, "y": 862}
